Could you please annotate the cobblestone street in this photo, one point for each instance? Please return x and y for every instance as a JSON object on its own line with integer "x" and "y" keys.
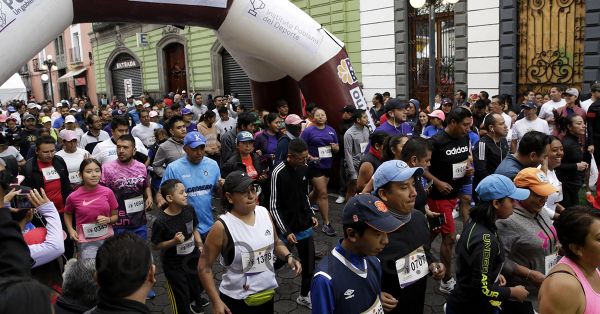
{"x": 285, "y": 299}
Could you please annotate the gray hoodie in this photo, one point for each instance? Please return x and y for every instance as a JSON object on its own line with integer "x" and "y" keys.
{"x": 527, "y": 239}
{"x": 356, "y": 139}
{"x": 167, "y": 152}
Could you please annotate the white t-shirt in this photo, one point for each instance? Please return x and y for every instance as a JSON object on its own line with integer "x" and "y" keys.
{"x": 89, "y": 138}
{"x": 12, "y": 151}
{"x": 73, "y": 161}
{"x": 523, "y": 126}
{"x": 225, "y": 126}
{"x": 556, "y": 197}
{"x": 145, "y": 133}
{"x": 508, "y": 122}
{"x": 586, "y": 104}
{"x": 547, "y": 108}
{"x": 106, "y": 150}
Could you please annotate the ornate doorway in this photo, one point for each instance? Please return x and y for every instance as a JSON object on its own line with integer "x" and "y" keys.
{"x": 550, "y": 44}
{"x": 175, "y": 71}
{"x": 419, "y": 51}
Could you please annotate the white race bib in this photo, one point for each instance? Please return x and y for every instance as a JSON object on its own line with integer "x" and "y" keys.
{"x": 258, "y": 261}
{"x": 376, "y": 308}
{"x": 549, "y": 262}
{"x": 74, "y": 177}
{"x": 94, "y": 230}
{"x": 325, "y": 152}
{"x": 459, "y": 170}
{"x": 134, "y": 205}
{"x": 363, "y": 147}
{"x": 151, "y": 140}
{"x": 186, "y": 247}
{"x": 50, "y": 174}
{"x": 412, "y": 267}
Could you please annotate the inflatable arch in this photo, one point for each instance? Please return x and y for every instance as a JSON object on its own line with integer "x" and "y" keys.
{"x": 284, "y": 52}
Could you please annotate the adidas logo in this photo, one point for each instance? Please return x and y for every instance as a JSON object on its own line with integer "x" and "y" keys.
{"x": 457, "y": 150}
{"x": 349, "y": 294}
{"x": 267, "y": 233}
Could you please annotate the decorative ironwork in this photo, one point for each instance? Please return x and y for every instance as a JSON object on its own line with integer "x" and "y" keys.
{"x": 419, "y": 52}
{"x": 550, "y": 44}
{"x": 170, "y": 29}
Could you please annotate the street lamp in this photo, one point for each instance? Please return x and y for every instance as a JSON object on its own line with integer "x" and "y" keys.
{"x": 50, "y": 65}
{"x": 417, "y": 4}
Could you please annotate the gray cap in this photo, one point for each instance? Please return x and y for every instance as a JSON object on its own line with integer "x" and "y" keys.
{"x": 572, "y": 91}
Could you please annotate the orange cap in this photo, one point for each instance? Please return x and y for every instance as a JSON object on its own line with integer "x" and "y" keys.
{"x": 535, "y": 180}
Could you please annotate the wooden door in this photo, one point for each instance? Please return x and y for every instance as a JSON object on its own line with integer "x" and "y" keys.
{"x": 550, "y": 44}
{"x": 175, "y": 67}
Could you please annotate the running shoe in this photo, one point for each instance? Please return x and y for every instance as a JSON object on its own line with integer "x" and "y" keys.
{"x": 304, "y": 301}
{"x": 194, "y": 308}
{"x": 328, "y": 230}
{"x": 447, "y": 286}
{"x": 340, "y": 200}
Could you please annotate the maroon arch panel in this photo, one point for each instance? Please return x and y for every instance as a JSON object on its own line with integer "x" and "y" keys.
{"x": 266, "y": 94}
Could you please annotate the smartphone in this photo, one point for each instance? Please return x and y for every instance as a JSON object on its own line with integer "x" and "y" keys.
{"x": 21, "y": 201}
{"x": 436, "y": 222}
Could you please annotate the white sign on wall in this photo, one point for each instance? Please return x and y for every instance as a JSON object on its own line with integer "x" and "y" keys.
{"x": 128, "y": 87}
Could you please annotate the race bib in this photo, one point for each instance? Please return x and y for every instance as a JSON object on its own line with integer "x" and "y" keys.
{"x": 186, "y": 247}
{"x": 459, "y": 169}
{"x": 363, "y": 147}
{"x": 325, "y": 152}
{"x": 50, "y": 174}
{"x": 412, "y": 267}
{"x": 94, "y": 230}
{"x": 376, "y": 308}
{"x": 257, "y": 261}
{"x": 151, "y": 140}
{"x": 549, "y": 262}
{"x": 189, "y": 226}
{"x": 74, "y": 177}
{"x": 134, "y": 205}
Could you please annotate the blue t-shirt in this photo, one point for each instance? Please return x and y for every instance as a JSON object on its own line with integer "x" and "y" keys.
{"x": 391, "y": 130}
{"x": 317, "y": 138}
{"x": 473, "y": 138}
{"x": 58, "y": 122}
{"x": 430, "y": 131}
{"x": 200, "y": 180}
{"x": 271, "y": 144}
{"x": 192, "y": 127}
{"x": 135, "y": 116}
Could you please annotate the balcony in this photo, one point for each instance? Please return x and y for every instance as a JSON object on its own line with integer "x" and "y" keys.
{"x": 75, "y": 56}
{"x": 101, "y": 27}
{"x": 61, "y": 61}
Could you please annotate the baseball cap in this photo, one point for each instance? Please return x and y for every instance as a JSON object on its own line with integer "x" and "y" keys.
{"x": 72, "y": 109}
{"x": 11, "y": 109}
{"x": 138, "y": 103}
{"x": 58, "y": 105}
{"x": 438, "y": 114}
{"x": 237, "y": 181}
{"x": 2, "y": 118}
{"x": 68, "y": 135}
{"x": 349, "y": 109}
{"x": 28, "y": 116}
{"x": 572, "y": 91}
{"x": 446, "y": 101}
{"x": 529, "y": 105}
{"x": 69, "y": 119}
{"x": 244, "y": 136}
{"x": 371, "y": 210}
{"x": 45, "y": 119}
{"x": 194, "y": 139}
{"x": 185, "y": 111}
{"x": 147, "y": 105}
{"x": 153, "y": 114}
{"x": 497, "y": 186}
{"x": 293, "y": 119}
{"x": 394, "y": 171}
{"x": 415, "y": 102}
{"x": 535, "y": 180}
{"x": 31, "y": 105}
{"x": 394, "y": 103}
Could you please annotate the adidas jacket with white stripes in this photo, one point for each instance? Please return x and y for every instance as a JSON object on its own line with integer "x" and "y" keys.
{"x": 289, "y": 204}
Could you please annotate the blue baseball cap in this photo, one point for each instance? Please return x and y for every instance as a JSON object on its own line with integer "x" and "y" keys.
{"x": 244, "y": 136}
{"x": 185, "y": 111}
{"x": 529, "y": 105}
{"x": 11, "y": 109}
{"x": 194, "y": 139}
{"x": 371, "y": 210}
{"x": 497, "y": 186}
{"x": 394, "y": 171}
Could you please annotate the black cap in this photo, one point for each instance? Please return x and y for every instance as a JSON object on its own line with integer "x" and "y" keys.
{"x": 349, "y": 109}
{"x": 394, "y": 103}
{"x": 237, "y": 181}
{"x": 372, "y": 211}
{"x": 529, "y": 105}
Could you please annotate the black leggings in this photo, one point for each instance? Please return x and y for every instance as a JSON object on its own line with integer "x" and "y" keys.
{"x": 514, "y": 307}
{"x": 570, "y": 195}
{"x": 306, "y": 254}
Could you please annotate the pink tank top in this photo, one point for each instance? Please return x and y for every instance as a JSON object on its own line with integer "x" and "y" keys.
{"x": 592, "y": 298}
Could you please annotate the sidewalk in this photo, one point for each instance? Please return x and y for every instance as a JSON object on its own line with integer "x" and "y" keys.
{"x": 289, "y": 287}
